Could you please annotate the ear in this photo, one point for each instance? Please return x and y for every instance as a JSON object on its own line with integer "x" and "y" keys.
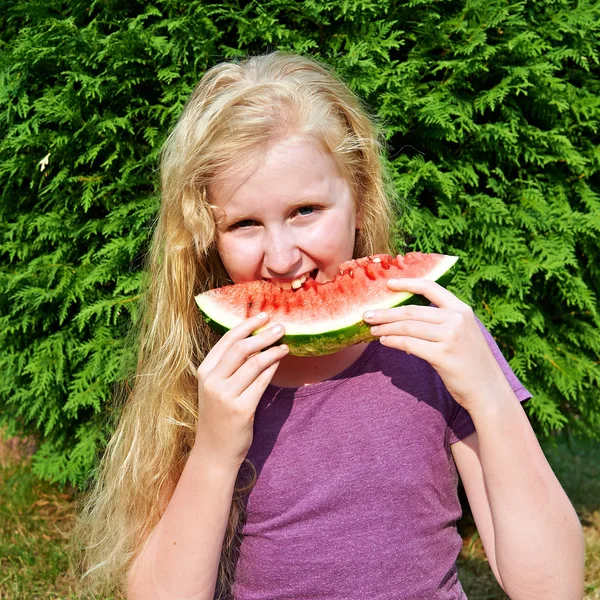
{"x": 359, "y": 223}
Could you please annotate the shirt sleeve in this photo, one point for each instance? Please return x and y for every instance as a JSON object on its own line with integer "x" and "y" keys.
{"x": 460, "y": 424}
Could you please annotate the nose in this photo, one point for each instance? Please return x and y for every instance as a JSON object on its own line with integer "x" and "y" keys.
{"x": 281, "y": 254}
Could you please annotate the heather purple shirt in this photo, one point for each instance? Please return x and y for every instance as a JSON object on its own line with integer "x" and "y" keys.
{"x": 356, "y": 496}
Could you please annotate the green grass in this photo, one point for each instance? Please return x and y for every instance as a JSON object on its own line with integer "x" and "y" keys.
{"x": 35, "y": 520}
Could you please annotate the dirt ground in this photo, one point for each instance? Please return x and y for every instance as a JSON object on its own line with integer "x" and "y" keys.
{"x": 15, "y": 449}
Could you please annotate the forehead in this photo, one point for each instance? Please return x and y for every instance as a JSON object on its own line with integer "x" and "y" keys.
{"x": 289, "y": 170}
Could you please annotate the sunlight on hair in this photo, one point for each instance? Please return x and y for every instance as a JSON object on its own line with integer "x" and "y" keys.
{"x": 233, "y": 115}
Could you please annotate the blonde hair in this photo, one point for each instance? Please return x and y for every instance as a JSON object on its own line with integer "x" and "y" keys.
{"x": 235, "y": 112}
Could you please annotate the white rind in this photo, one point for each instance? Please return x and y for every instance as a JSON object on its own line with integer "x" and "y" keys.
{"x": 226, "y": 319}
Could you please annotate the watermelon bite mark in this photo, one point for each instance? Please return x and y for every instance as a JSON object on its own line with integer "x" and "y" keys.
{"x": 322, "y": 318}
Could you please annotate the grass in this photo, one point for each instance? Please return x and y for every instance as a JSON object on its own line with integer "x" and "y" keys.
{"x": 35, "y": 520}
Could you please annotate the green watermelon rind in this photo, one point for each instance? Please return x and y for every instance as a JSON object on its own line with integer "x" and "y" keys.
{"x": 320, "y": 344}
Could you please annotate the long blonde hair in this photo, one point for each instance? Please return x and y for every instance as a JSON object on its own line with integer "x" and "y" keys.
{"x": 235, "y": 112}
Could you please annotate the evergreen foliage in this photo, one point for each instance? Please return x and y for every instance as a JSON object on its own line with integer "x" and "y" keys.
{"x": 492, "y": 113}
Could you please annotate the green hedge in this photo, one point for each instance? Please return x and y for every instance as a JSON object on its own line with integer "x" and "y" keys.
{"x": 492, "y": 111}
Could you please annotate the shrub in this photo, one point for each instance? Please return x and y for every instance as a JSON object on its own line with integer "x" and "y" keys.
{"x": 491, "y": 110}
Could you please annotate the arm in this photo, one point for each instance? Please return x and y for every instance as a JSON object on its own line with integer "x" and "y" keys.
{"x": 181, "y": 557}
{"x": 530, "y": 531}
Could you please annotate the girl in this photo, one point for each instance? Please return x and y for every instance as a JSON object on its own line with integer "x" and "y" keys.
{"x": 240, "y": 471}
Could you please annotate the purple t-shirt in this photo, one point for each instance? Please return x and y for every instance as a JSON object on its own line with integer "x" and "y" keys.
{"x": 356, "y": 495}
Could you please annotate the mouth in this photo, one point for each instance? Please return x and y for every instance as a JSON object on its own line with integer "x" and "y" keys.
{"x": 295, "y": 284}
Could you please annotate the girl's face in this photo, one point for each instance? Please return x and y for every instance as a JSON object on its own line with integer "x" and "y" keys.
{"x": 291, "y": 217}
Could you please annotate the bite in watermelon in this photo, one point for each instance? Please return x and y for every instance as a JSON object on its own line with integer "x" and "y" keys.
{"x": 322, "y": 318}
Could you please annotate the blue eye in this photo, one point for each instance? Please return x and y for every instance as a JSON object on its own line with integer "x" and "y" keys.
{"x": 243, "y": 224}
{"x": 306, "y": 210}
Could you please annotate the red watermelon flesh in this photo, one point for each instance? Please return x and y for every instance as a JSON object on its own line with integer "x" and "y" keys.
{"x": 321, "y": 318}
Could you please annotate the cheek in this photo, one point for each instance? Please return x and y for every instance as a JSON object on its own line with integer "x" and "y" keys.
{"x": 330, "y": 245}
{"x": 334, "y": 235}
{"x": 322, "y": 239}
{"x": 239, "y": 257}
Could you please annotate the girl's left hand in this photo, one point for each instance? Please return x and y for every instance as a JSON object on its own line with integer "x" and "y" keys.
{"x": 447, "y": 336}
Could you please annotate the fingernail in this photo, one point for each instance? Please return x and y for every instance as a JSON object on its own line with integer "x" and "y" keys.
{"x": 277, "y": 329}
{"x": 262, "y": 315}
{"x": 393, "y": 281}
{"x": 284, "y": 347}
{"x": 369, "y": 315}
{"x": 373, "y": 329}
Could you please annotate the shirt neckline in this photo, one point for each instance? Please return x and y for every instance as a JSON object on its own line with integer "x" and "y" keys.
{"x": 321, "y": 386}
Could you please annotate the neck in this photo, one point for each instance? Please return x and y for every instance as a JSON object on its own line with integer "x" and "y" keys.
{"x": 296, "y": 371}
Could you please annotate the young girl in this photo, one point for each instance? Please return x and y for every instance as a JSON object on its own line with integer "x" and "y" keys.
{"x": 238, "y": 470}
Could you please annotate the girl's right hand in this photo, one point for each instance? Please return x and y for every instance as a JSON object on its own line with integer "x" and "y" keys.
{"x": 231, "y": 382}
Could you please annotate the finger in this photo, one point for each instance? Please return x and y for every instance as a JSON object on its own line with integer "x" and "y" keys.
{"x": 420, "y": 348}
{"x": 242, "y": 350}
{"x": 239, "y": 332}
{"x": 253, "y": 368}
{"x": 430, "y": 289}
{"x": 253, "y": 393}
{"x": 429, "y": 314}
{"x": 414, "y": 329}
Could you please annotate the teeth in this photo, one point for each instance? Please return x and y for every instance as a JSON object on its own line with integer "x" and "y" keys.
{"x": 294, "y": 285}
{"x": 298, "y": 282}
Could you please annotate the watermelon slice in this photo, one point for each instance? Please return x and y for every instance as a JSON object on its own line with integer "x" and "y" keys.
{"x": 322, "y": 318}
